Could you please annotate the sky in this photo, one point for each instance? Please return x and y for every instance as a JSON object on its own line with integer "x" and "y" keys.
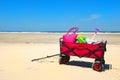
{"x": 59, "y": 15}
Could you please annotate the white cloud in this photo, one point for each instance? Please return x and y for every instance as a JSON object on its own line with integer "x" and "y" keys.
{"x": 94, "y": 16}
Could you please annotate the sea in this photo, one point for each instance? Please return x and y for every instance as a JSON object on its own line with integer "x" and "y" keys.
{"x": 56, "y": 32}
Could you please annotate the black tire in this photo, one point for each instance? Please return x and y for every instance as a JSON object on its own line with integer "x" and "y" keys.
{"x": 97, "y": 66}
{"x": 64, "y": 59}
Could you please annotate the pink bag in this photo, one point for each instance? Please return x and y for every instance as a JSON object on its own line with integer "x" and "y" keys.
{"x": 70, "y": 37}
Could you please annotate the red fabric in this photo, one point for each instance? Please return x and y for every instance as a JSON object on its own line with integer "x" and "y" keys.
{"x": 77, "y": 49}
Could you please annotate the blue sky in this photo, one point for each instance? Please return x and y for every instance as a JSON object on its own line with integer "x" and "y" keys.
{"x": 59, "y": 15}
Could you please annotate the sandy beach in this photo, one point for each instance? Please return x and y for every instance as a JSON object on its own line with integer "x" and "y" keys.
{"x": 18, "y": 49}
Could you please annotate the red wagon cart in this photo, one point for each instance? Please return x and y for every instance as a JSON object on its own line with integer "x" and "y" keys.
{"x": 95, "y": 51}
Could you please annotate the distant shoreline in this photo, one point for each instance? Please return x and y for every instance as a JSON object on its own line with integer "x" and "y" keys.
{"x": 49, "y": 37}
{"x": 55, "y": 31}
{"x": 61, "y": 32}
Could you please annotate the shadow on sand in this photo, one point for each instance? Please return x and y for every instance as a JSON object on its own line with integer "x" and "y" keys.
{"x": 87, "y": 64}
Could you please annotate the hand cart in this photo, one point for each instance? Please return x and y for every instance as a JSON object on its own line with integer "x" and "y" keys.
{"x": 95, "y": 51}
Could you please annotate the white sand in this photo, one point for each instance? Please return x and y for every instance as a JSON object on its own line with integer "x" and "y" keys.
{"x": 15, "y": 63}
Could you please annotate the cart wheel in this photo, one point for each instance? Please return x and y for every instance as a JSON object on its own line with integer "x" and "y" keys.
{"x": 64, "y": 59}
{"x": 98, "y": 66}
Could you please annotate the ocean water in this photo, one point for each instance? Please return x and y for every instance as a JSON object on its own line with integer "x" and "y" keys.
{"x": 83, "y": 31}
{"x": 57, "y": 31}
